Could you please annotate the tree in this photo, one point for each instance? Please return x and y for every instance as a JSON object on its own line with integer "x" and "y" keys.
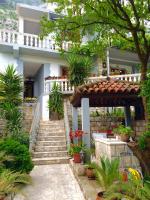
{"x": 121, "y": 23}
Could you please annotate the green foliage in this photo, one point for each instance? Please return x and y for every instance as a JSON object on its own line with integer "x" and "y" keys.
{"x": 142, "y": 141}
{"x": 76, "y": 148}
{"x": 10, "y": 182}
{"x": 10, "y": 99}
{"x": 22, "y": 158}
{"x": 79, "y": 69}
{"x": 145, "y": 92}
{"x": 21, "y": 137}
{"x": 91, "y": 165}
{"x": 105, "y": 23}
{"x": 107, "y": 172}
{"x": 55, "y": 102}
{"x": 122, "y": 130}
{"x": 134, "y": 189}
{"x": 11, "y": 85}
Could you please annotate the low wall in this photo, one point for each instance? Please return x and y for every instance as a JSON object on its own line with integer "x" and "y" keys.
{"x": 112, "y": 148}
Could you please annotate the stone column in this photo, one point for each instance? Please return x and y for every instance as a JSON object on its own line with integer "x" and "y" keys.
{"x": 127, "y": 116}
{"x": 86, "y": 121}
{"x": 74, "y": 118}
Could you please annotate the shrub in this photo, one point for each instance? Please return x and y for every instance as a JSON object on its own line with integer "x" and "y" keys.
{"x": 22, "y": 158}
{"x": 22, "y": 138}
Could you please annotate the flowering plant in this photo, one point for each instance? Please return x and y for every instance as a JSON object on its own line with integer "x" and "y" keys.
{"x": 76, "y": 134}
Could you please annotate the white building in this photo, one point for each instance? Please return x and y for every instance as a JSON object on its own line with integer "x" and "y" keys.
{"x": 38, "y": 59}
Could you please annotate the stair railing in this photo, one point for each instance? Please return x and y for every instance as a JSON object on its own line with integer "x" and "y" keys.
{"x": 34, "y": 126}
{"x": 67, "y": 125}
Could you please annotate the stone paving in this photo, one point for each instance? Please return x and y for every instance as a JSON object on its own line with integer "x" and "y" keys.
{"x": 52, "y": 182}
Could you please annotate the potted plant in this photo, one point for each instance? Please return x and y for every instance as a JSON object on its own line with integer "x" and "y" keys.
{"x": 90, "y": 170}
{"x": 75, "y": 151}
{"x": 107, "y": 172}
{"x": 55, "y": 102}
{"x": 123, "y": 132}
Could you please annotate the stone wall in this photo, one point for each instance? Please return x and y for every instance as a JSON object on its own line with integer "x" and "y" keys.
{"x": 103, "y": 123}
{"x": 139, "y": 127}
{"x": 112, "y": 148}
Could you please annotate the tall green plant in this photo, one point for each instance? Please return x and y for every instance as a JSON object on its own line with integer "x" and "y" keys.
{"x": 107, "y": 172}
{"x": 79, "y": 69}
{"x": 11, "y": 85}
{"x": 55, "y": 102}
{"x": 10, "y": 99}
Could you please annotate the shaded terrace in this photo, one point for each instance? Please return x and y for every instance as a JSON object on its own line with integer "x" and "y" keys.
{"x": 106, "y": 93}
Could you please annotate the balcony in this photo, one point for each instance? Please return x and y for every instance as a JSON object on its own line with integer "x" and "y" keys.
{"x": 30, "y": 40}
{"x": 66, "y": 87}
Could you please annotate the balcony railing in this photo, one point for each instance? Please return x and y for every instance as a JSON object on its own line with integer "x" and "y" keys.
{"x": 66, "y": 87}
{"x": 30, "y": 40}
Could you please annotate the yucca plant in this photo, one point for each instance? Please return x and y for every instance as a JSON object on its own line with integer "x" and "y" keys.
{"x": 10, "y": 98}
{"x": 11, "y": 182}
{"x": 79, "y": 69}
{"x": 107, "y": 172}
{"x": 11, "y": 85}
{"x": 55, "y": 102}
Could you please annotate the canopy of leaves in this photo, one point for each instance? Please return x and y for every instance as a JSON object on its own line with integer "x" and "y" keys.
{"x": 104, "y": 23}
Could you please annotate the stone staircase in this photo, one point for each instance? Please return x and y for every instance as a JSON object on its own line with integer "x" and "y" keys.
{"x": 50, "y": 147}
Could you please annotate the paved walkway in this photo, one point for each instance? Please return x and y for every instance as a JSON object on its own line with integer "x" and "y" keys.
{"x": 52, "y": 182}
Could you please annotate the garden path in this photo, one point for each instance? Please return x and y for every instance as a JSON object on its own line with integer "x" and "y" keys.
{"x": 52, "y": 182}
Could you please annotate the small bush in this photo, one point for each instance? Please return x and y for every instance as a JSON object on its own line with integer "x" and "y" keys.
{"x": 22, "y": 158}
{"x": 22, "y": 138}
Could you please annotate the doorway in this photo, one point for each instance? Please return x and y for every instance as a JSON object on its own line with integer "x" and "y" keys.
{"x": 29, "y": 89}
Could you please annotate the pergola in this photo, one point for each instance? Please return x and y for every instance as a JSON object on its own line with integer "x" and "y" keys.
{"x": 106, "y": 93}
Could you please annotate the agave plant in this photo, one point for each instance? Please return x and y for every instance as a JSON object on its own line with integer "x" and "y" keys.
{"x": 11, "y": 182}
{"x": 107, "y": 172}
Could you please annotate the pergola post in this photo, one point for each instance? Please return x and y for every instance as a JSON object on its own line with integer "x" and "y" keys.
{"x": 127, "y": 116}
{"x": 74, "y": 118}
{"x": 86, "y": 121}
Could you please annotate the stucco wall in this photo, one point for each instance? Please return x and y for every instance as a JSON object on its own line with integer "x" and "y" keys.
{"x": 7, "y": 59}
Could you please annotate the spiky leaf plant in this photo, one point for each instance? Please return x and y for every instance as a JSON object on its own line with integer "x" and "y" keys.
{"x": 107, "y": 172}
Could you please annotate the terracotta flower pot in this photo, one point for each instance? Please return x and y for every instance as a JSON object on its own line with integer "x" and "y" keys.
{"x": 90, "y": 173}
{"x": 77, "y": 158}
{"x": 100, "y": 196}
{"x": 125, "y": 138}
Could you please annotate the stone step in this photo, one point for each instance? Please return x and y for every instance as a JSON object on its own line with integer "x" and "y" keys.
{"x": 50, "y": 148}
{"x": 50, "y": 154}
{"x": 51, "y": 129}
{"x": 52, "y": 124}
{"x": 49, "y": 134}
{"x": 48, "y": 161}
{"x": 51, "y": 138}
{"x": 50, "y": 143}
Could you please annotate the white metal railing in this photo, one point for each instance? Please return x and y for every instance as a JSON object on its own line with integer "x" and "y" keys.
{"x": 30, "y": 40}
{"x": 66, "y": 87}
{"x": 34, "y": 126}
